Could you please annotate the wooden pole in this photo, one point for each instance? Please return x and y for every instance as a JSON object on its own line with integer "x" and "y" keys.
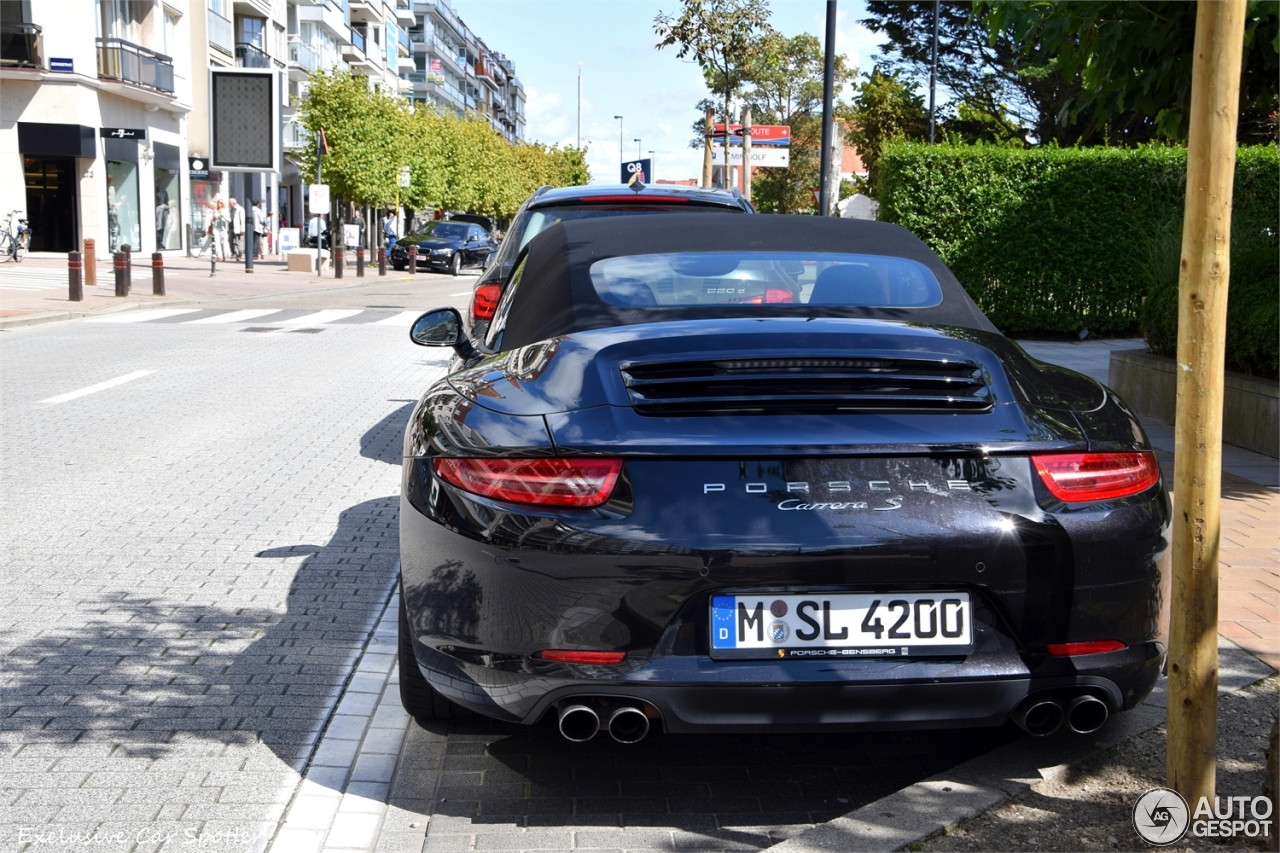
{"x": 708, "y": 128}
{"x": 1202, "y": 321}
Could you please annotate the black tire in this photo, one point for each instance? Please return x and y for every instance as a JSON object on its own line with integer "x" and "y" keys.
{"x": 455, "y": 265}
{"x": 419, "y": 698}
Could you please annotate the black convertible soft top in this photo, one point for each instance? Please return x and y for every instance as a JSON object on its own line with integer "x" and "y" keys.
{"x": 555, "y": 295}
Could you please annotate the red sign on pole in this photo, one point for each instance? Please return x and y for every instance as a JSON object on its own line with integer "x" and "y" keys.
{"x": 761, "y": 134}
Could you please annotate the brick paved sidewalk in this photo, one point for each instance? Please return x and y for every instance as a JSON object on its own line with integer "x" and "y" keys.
{"x": 40, "y": 284}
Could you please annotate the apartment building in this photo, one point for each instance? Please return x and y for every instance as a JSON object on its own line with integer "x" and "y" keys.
{"x": 453, "y": 69}
{"x": 104, "y": 117}
{"x": 93, "y": 113}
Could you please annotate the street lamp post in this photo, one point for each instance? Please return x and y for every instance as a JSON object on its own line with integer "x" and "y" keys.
{"x": 621, "y": 155}
{"x": 653, "y": 170}
{"x": 637, "y": 142}
{"x": 579, "y": 104}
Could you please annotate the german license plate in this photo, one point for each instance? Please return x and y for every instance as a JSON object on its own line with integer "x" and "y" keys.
{"x": 824, "y": 625}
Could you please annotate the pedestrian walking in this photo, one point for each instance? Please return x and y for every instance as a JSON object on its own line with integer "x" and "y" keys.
{"x": 259, "y": 228}
{"x": 221, "y": 230}
{"x": 389, "y": 230}
{"x": 358, "y": 221}
{"x": 210, "y": 212}
{"x": 237, "y": 229}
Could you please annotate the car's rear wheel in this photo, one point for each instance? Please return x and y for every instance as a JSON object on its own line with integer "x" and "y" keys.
{"x": 419, "y": 698}
{"x": 455, "y": 265}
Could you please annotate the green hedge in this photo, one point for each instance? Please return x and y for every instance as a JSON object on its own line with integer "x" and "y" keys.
{"x": 1064, "y": 239}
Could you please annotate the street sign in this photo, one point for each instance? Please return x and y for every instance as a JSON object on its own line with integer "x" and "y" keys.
{"x": 318, "y": 198}
{"x": 764, "y": 158}
{"x": 761, "y": 134}
{"x": 62, "y": 63}
{"x": 404, "y": 177}
{"x": 637, "y": 170}
{"x": 290, "y": 239}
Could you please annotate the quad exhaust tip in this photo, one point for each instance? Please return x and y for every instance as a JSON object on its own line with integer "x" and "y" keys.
{"x": 579, "y": 723}
{"x": 1086, "y": 714}
{"x": 628, "y": 724}
{"x": 582, "y": 718}
{"x": 1039, "y": 717}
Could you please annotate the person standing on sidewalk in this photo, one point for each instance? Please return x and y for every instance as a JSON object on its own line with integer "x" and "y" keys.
{"x": 237, "y": 229}
{"x": 259, "y": 228}
{"x": 389, "y": 231}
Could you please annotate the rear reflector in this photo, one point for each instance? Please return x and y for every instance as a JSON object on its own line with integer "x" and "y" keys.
{"x": 544, "y": 482}
{"x": 1097, "y": 476}
{"x": 568, "y": 656}
{"x": 1093, "y": 647}
{"x": 485, "y": 301}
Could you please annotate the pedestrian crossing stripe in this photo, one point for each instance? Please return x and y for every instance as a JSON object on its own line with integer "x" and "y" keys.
{"x": 265, "y": 317}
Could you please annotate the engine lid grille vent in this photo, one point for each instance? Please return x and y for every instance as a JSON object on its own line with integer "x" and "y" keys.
{"x": 805, "y": 385}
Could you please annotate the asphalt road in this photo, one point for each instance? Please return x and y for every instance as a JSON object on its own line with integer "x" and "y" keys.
{"x": 198, "y": 513}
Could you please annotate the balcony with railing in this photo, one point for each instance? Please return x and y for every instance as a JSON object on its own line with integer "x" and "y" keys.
{"x": 221, "y": 32}
{"x": 251, "y": 56}
{"x": 302, "y": 54}
{"x": 132, "y": 63}
{"x": 357, "y": 39}
{"x": 21, "y": 46}
{"x": 296, "y": 136}
{"x": 402, "y": 36}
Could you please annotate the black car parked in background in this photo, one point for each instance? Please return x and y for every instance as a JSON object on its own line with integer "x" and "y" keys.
{"x": 447, "y": 246}
{"x": 550, "y": 206}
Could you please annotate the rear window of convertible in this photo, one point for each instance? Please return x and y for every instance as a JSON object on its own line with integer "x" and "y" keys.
{"x": 691, "y": 279}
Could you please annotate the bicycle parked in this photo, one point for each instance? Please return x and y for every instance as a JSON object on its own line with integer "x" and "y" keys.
{"x": 13, "y": 245}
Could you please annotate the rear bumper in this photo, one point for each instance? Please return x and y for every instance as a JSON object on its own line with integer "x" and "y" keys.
{"x": 696, "y": 694}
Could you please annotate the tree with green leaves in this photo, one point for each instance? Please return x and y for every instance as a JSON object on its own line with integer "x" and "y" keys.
{"x": 722, "y": 36}
{"x": 361, "y": 125}
{"x": 886, "y": 109}
{"x": 783, "y": 85}
{"x": 1133, "y": 61}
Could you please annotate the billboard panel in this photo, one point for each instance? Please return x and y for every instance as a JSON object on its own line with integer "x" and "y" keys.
{"x": 244, "y": 106}
{"x": 637, "y": 170}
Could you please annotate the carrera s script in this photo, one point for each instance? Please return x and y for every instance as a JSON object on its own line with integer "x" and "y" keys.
{"x": 730, "y": 474}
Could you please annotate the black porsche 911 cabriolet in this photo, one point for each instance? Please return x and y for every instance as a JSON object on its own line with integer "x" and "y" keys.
{"x": 768, "y": 473}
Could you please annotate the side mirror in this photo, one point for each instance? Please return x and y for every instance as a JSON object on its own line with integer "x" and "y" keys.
{"x": 439, "y": 328}
{"x": 442, "y": 328}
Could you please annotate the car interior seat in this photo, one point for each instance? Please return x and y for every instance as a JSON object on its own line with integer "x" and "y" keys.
{"x": 848, "y": 284}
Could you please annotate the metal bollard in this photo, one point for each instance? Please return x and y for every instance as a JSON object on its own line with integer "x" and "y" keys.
{"x": 337, "y": 262}
{"x": 382, "y": 261}
{"x": 122, "y": 273}
{"x": 90, "y": 262}
{"x": 75, "y": 291}
{"x": 359, "y": 261}
{"x": 157, "y": 274}
{"x": 250, "y": 246}
{"x": 413, "y": 260}
{"x": 128, "y": 264}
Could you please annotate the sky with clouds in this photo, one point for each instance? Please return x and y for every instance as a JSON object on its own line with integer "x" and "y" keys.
{"x": 623, "y": 73}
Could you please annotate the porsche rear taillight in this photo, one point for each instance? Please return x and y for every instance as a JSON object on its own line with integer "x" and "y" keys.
{"x": 575, "y": 656}
{"x": 484, "y": 301}
{"x": 1078, "y": 477}
{"x": 1089, "y": 647}
{"x": 544, "y": 482}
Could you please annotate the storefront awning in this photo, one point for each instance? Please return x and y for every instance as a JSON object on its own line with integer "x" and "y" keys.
{"x": 56, "y": 140}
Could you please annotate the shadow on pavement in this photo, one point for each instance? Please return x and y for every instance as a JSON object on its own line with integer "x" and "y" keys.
{"x": 384, "y": 441}
{"x": 498, "y": 773}
{"x": 158, "y": 679}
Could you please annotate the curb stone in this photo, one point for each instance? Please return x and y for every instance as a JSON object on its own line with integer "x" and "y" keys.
{"x": 935, "y": 805}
